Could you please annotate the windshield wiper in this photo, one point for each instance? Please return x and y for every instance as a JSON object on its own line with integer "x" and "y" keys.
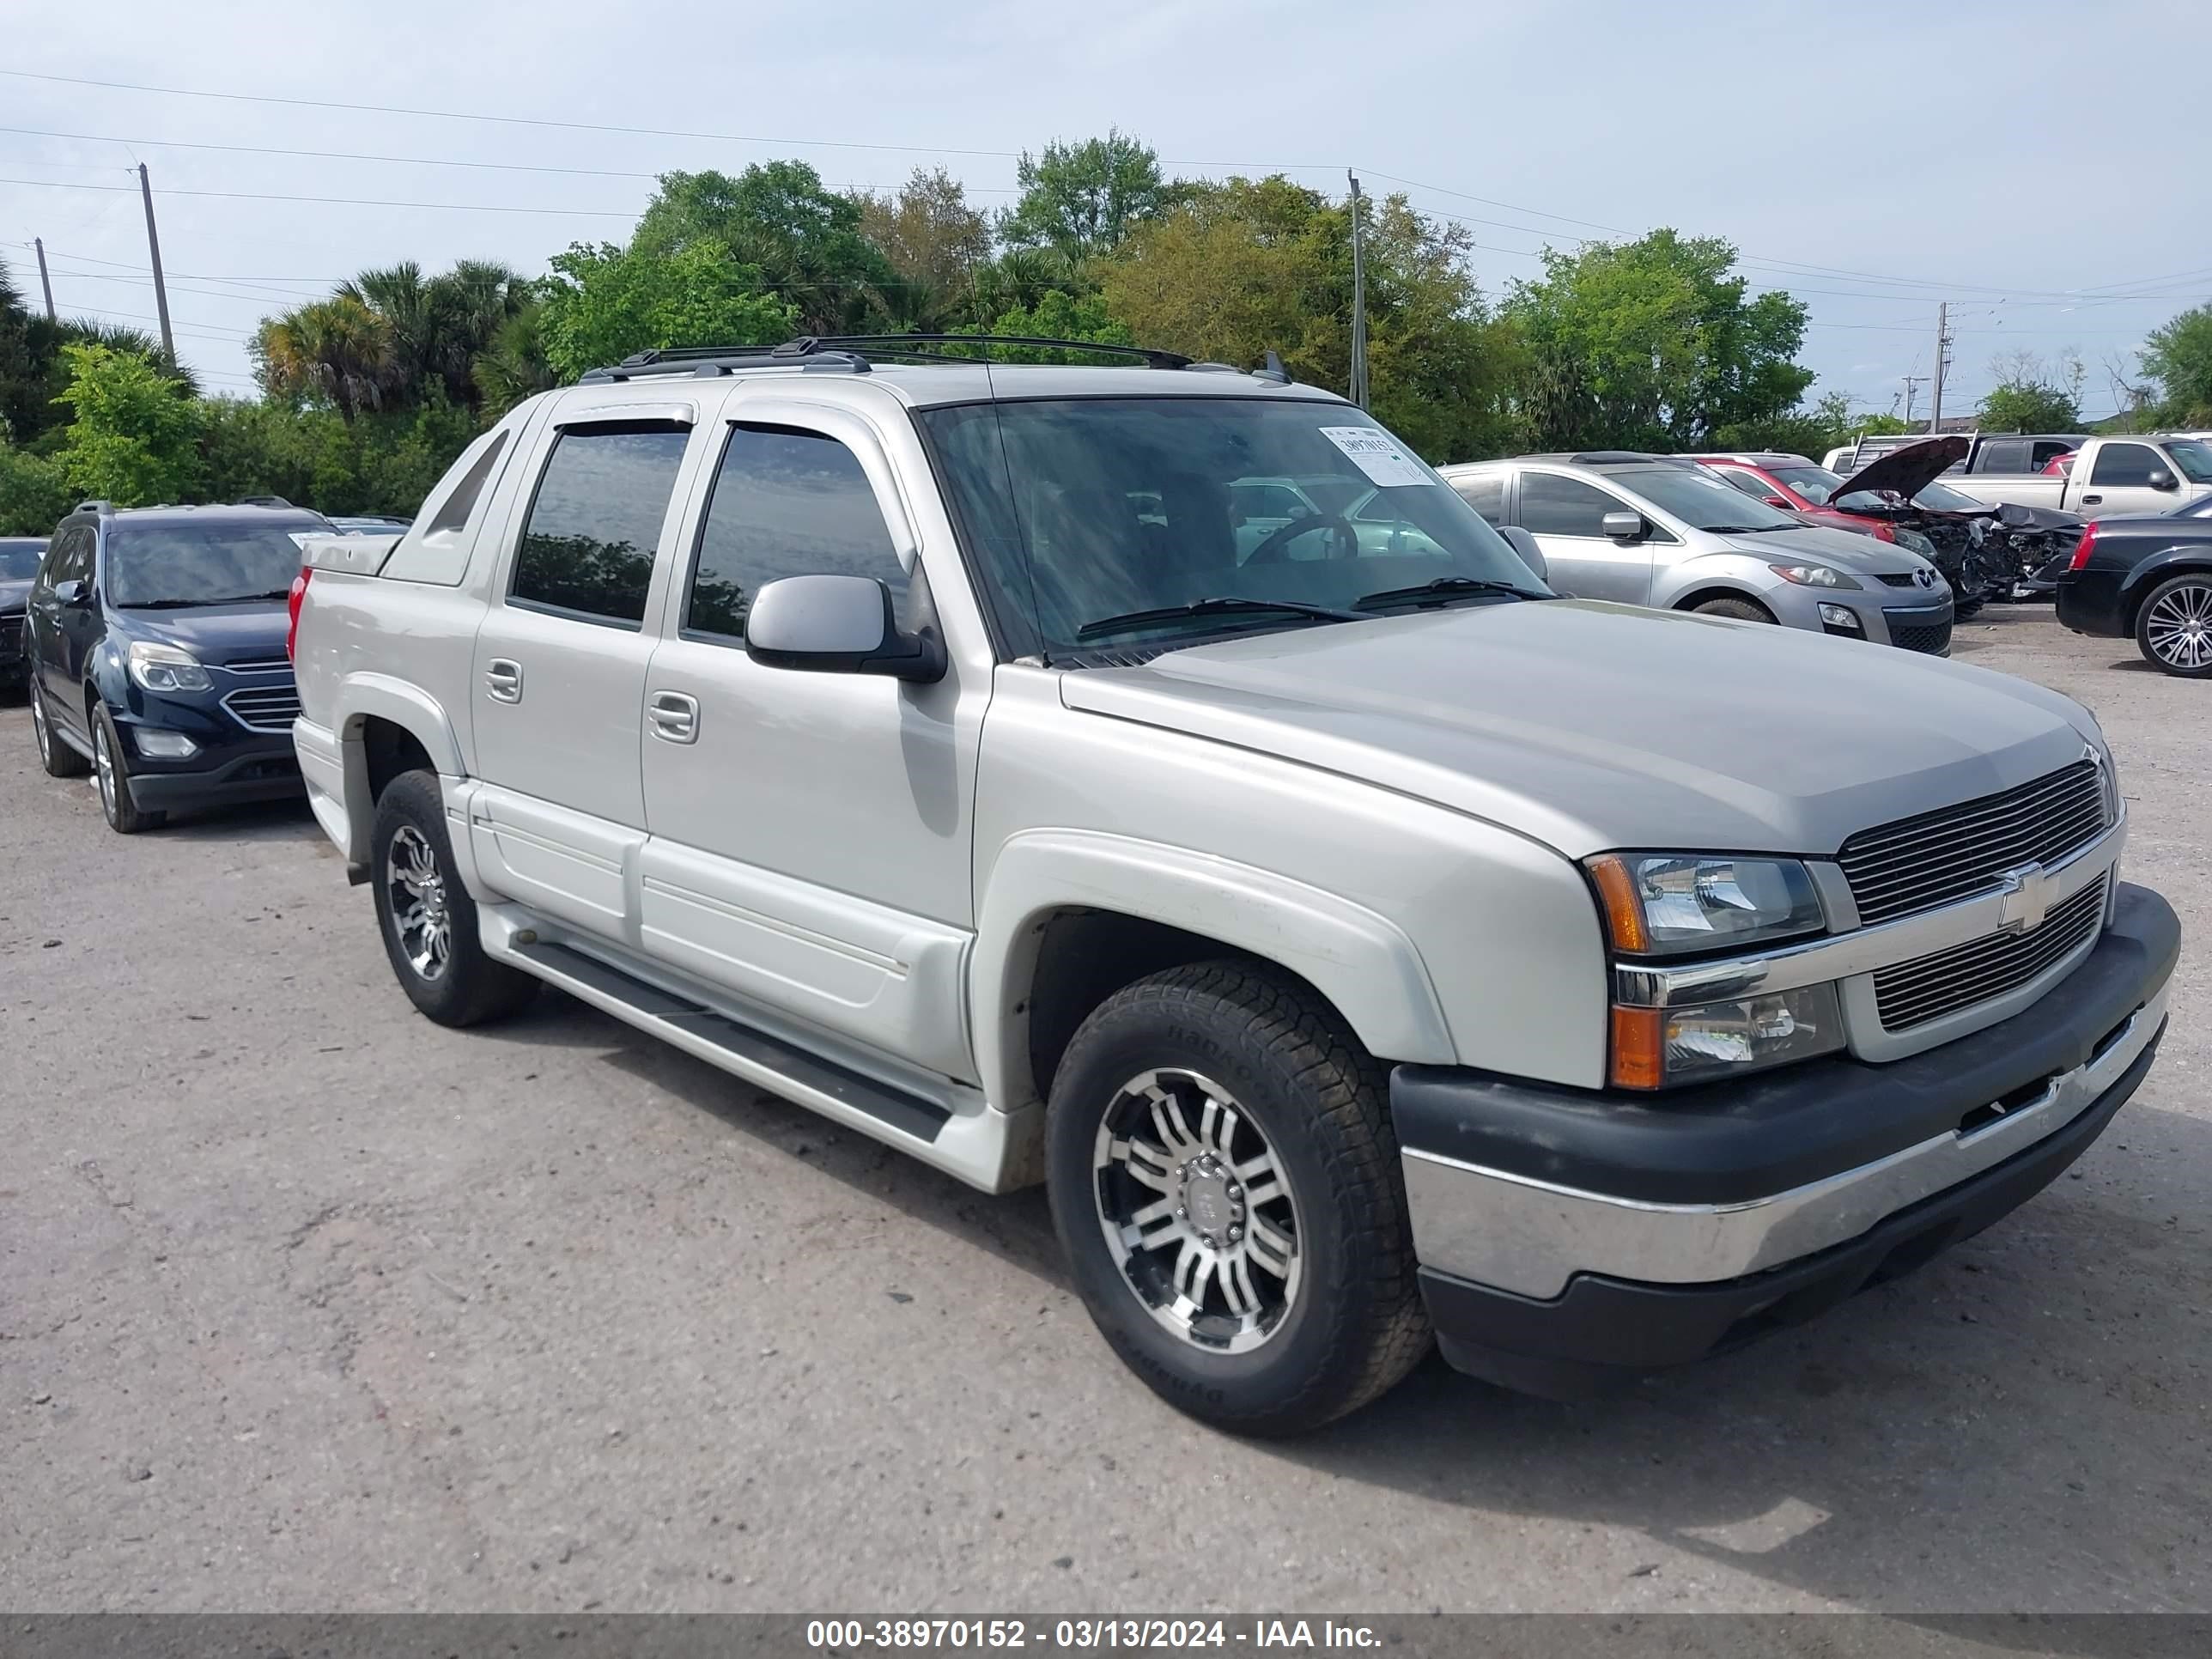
{"x": 1443, "y": 587}
{"x": 1225, "y": 604}
{"x": 193, "y": 604}
{"x": 1746, "y": 529}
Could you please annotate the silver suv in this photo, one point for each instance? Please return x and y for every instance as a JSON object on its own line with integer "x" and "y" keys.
{"x": 1155, "y": 783}
{"x": 1658, "y": 531}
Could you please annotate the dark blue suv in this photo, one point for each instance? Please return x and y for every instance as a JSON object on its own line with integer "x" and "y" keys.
{"x": 154, "y": 639}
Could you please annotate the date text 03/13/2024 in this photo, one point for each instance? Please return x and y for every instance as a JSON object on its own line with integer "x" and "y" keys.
{"x": 1084, "y": 1635}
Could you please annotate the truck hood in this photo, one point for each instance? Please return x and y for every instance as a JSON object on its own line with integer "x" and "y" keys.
{"x": 1905, "y": 472}
{"x": 217, "y": 634}
{"x": 1589, "y": 727}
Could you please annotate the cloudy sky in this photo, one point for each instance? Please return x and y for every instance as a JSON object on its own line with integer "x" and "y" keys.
{"x": 2041, "y": 166}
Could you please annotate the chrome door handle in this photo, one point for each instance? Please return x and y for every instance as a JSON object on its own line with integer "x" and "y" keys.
{"x": 503, "y": 679}
{"x": 2091, "y": 500}
{"x": 675, "y": 716}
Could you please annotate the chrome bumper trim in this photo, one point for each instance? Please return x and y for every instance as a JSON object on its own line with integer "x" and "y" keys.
{"x": 1531, "y": 1237}
{"x": 1862, "y": 950}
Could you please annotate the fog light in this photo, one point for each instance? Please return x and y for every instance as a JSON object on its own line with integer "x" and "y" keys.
{"x": 1655, "y": 1047}
{"x": 157, "y": 744}
{"x": 1841, "y": 619}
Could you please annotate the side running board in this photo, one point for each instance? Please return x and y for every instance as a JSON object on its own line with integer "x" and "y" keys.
{"x": 770, "y": 1061}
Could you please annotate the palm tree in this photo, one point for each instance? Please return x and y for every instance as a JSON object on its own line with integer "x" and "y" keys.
{"x": 338, "y": 348}
{"x": 390, "y": 337}
{"x": 513, "y": 365}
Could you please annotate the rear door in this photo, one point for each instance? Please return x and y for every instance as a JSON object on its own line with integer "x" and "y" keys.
{"x": 1566, "y": 517}
{"x": 558, "y": 691}
{"x": 2119, "y": 481}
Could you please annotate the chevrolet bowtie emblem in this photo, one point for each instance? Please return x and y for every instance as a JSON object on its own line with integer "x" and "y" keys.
{"x": 2024, "y": 895}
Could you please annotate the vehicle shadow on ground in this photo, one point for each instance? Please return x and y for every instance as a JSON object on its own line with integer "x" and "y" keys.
{"x": 275, "y": 820}
{"x": 1017, "y": 1228}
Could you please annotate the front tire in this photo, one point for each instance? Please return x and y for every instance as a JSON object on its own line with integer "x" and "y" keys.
{"x": 2173, "y": 628}
{"x": 1741, "y": 610}
{"x": 1225, "y": 1179}
{"x": 116, "y": 806}
{"x": 57, "y": 757}
{"x": 426, "y": 916}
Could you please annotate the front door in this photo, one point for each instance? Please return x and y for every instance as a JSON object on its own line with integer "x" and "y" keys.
{"x": 2120, "y": 482}
{"x": 66, "y": 634}
{"x": 558, "y": 691}
{"x": 811, "y": 831}
{"x": 1566, "y": 517}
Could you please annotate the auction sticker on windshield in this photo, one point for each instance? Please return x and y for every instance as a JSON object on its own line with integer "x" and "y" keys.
{"x": 1373, "y": 453}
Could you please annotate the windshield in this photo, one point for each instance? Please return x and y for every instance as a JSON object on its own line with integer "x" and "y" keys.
{"x": 203, "y": 563}
{"x": 1814, "y": 484}
{"x": 1941, "y": 498}
{"x": 19, "y": 561}
{"x": 2193, "y": 459}
{"x": 1081, "y": 510}
{"x": 1700, "y": 500}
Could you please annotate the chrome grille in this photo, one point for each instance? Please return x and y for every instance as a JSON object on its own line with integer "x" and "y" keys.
{"x": 1911, "y": 994}
{"x": 264, "y": 708}
{"x": 1917, "y": 863}
{"x": 259, "y": 666}
{"x": 1897, "y": 579}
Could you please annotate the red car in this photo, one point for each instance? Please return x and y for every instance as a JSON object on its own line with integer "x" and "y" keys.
{"x": 1798, "y": 484}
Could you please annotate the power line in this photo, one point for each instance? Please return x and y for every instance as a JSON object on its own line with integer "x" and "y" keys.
{"x": 342, "y": 201}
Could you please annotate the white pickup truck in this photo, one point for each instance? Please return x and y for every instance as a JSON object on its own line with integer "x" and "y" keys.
{"x": 2107, "y": 478}
{"x": 1358, "y": 942}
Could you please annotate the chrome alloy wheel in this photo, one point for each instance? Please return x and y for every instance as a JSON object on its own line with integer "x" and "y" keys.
{"x": 103, "y": 761}
{"x": 2178, "y": 629}
{"x": 416, "y": 894}
{"x": 38, "y": 727}
{"x": 1195, "y": 1211}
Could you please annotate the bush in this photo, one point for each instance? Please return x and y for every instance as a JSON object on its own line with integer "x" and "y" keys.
{"x": 33, "y": 495}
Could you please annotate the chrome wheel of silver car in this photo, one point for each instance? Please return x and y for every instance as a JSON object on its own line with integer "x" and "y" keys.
{"x": 2176, "y": 629}
{"x": 45, "y": 739}
{"x": 417, "y": 895}
{"x": 1196, "y": 1211}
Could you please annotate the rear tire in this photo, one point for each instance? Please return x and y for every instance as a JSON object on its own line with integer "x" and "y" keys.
{"x": 426, "y": 916}
{"x": 1215, "y": 1131}
{"x": 116, "y": 806}
{"x": 57, "y": 757}
{"x": 1741, "y": 610}
{"x": 2173, "y": 627}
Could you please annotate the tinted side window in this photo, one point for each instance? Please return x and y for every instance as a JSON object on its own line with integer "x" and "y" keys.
{"x": 589, "y": 543}
{"x": 1485, "y": 494}
{"x": 2125, "y": 463}
{"x": 1750, "y": 482}
{"x": 786, "y": 503}
{"x": 70, "y": 559}
{"x": 2048, "y": 451}
{"x": 2003, "y": 455}
{"x": 1553, "y": 506}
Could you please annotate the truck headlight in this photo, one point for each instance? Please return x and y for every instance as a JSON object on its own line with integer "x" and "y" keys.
{"x": 1667, "y": 904}
{"x": 1659, "y": 1048}
{"x": 166, "y": 668}
{"x": 1814, "y": 575}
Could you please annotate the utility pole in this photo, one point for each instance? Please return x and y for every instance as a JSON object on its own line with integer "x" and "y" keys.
{"x": 154, "y": 247}
{"x": 1911, "y": 386}
{"x": 1358, "y": 300}
{"x": 46, "y": 283}
{"x": 1942, "y": 361}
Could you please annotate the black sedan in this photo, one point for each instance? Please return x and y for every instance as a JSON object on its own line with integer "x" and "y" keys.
{"x": 2149, "y": 578}
{"x": 19, "y": 568}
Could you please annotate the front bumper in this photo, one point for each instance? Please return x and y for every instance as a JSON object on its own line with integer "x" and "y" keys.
{"x": 1912, "y": 619}
{"x": 1569, "y": 1237}
{"x": 14, "y": 664}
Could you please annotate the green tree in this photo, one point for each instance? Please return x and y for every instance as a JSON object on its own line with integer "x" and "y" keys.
{"x": 34, "y": 494}
{"x": 603, "y": 303}
{"x": 1083, "y": 199}
{"x": 2178, "y": 356}
{"x": 786, "y": 230}
{"x": 1812, "y": 429}
{"x": 1652, "y": 344}
{"x": 1242, "y": 267}
{"x": 391, "y": 337}
{"x": 133, "y": 439}
{"x": 936, "y": 244}
{"x": 2032, "y": 396}
{"x": 33, "y": 374}
{"x": 514, "y": 365}
{"x": 1057, "y": 315}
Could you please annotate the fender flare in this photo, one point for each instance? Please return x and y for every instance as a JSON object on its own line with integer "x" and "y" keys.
{"x": 1362, "y": 961}
{"x": 407, "y": 706}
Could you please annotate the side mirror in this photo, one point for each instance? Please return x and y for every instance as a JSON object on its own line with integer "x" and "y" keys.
{"x": 2160, "y": 478}
{"x": 1782, "y": 502}
{"x": 837, "y": 625}
{"x": 72, "y": 595}
{"x": 1623, "y": 526}
{"x": 1525, "y": 544}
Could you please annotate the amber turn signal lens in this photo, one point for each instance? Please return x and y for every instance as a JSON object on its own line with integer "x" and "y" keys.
{"x": 1624, "y": 916}
{"x": 1639, "y": 1048}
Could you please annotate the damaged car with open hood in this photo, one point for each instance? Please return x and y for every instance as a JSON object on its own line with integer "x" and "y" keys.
{"x": 1986, "y": 552}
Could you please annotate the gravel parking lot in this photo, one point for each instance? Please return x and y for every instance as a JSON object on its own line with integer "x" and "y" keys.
{"x": 307, "y": 1303}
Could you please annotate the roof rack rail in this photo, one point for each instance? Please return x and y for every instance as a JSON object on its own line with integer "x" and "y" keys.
{"x": 261, "y": 501}
{"x": 96, "y": 507}
{"x": 845, "y": 352}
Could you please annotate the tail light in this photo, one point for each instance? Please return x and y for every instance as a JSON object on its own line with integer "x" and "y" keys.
{"x": 292, "y": 607}
{"x": 2081, "y": 548}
